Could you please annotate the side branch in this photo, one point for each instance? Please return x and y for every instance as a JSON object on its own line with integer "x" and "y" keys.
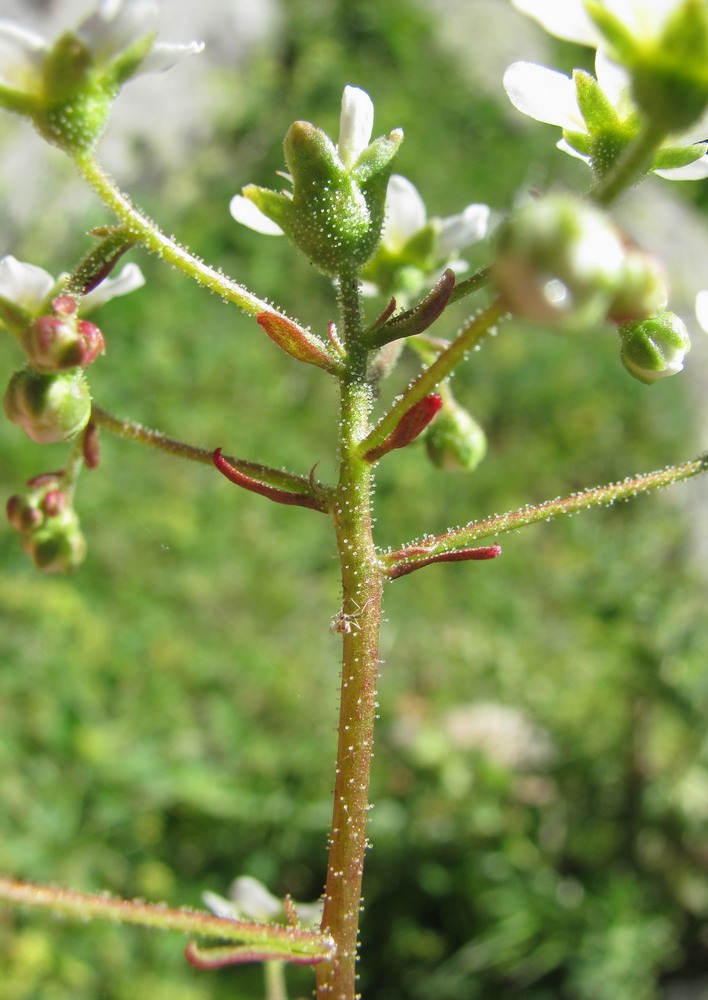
{"x": 132, "y": 431}
{"x": 146, "y": 232}
{"x": 291, "y": 943}
{"x": 422, "y": 553}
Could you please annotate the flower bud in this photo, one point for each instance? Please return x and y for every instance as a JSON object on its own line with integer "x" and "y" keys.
{"x": 43, "y": 499}
{"x": 642, "y": 292}
{"x": 53, "y": 343}
{"x": 454, "y": 441}
{"x": 559, "y": 262}
{"x": 48, "y": 407}
{"x": 651, "y": 349}
{"x": 58, "y": 546}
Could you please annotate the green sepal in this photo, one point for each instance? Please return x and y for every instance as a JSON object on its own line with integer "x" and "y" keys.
{"x": 670, "y": 157}
{"x": 621, "y": 39}
{"x": 335, "y": 216}
{"x": 19, "y": 104}
{"x": 580, "y": 141}
{"x": 595, "y": 107}
{"x": 14, "y": 318}
{"x": 127, "y": 62}
{"x": 276, "y": 206}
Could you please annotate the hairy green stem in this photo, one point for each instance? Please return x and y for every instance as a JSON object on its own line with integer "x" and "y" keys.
{"x": 430, "y": 378}
{"x": 631, "y": 166}
{"x": 550, "y": 510}
{"x": 87, "y": 906}
{"x": 359, "y": 624}
{"x": 150, "y": 236}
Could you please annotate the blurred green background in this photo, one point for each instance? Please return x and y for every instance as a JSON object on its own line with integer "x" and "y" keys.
{"x": 167, "y": 714}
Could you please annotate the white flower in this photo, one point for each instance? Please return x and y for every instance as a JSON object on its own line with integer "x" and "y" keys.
{"x": 30, "y": 287}
{"x": 550, "y": 97}
{"x": 113, "y": 28}
{"x": 702, "y": 310}
{"x": 250, "y": 900}
{"x": 406, "y": 215}
{"x": 356, "y": 123}
{"x": 569, "y": 19}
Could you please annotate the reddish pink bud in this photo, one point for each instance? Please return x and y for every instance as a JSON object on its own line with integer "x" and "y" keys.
{"x": 297, "y": 342}
{"x": 54, "y": 503}
{"x": 22, "y": 515}
{"x": 403, "y": 565}
{"x": 64, "y": 305}
{"x": 92, "y": 341}
{"x": 275, "y": 493}
{"x": 411, "y": 424}
{"x": 91, "y": 446}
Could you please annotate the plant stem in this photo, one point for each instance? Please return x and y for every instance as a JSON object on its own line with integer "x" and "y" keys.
{"x": 147, "y": 232}
{"x": 359, "y": 622}
{"x": 630, "y": 167}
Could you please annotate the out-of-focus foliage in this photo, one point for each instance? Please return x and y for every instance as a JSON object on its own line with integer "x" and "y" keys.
{"x": 541, "y": 777}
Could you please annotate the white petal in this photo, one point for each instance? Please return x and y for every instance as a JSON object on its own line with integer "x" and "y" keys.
{"x": 25, "y": 285}
{"x": 165, "y": 55}
{"x": 22, "y": 54}
{"x": 566, "y": 19}
{"x": 221, "y": 907}
{"x": 565, "y": 147}
{"x": 254, "y": 900}
{"x": 543, "y": 94}
{"x": 356, "y": 124}
{"x": 460, "y": 231}
{"x": 695, "y": 171}
{"x": 405, "y": 212}
{"x": 244, "y": 211}
{"x": 702, "y": 310}
{"x": 130, "y": 278}
{"x": 615, "y": 82}
{"x": 116, "y": 24}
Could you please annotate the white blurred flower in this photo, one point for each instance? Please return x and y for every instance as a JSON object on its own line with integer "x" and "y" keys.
{"x": 702, "y": 310}
{"x": 250, "y": 900}
{"x": 569, "y": 19}
{"x": 113, "y": 28}
{"x": 30, "y": 287}
{"x": 406, "y": 216}
{"x": 550, "y": 97}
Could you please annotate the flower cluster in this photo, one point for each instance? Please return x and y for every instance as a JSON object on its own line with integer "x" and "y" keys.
{"x": 66, "y": 87}
{"x": 48, "y": 524}
{"x": 49, "y": 397}
{"x": 650, "y": 65}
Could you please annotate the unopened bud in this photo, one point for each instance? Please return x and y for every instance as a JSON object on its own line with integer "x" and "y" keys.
{"x": 58, "y": 546}
{"x": 642, "y": 291}
{"x": 54, "y": 343}
{"x": 652, "y": 349}
{"x": 48, "y": 407}
{"x": 559, "y": 262}
{"x": 455, "y": 441}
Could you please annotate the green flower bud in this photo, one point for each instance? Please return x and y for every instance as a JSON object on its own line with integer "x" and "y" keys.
{"x": 48, "y": 407}
{"x": 336, "y": 210}
{"x": 559, "y": 262}
{"x": 651, "y": 349}
{"x": 58, "y": 546}
{"x": 454, "y": 441}
{"x": 642, "y": 291}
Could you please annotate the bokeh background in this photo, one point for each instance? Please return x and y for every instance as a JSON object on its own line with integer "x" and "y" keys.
{"x": 167, "y": 713}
